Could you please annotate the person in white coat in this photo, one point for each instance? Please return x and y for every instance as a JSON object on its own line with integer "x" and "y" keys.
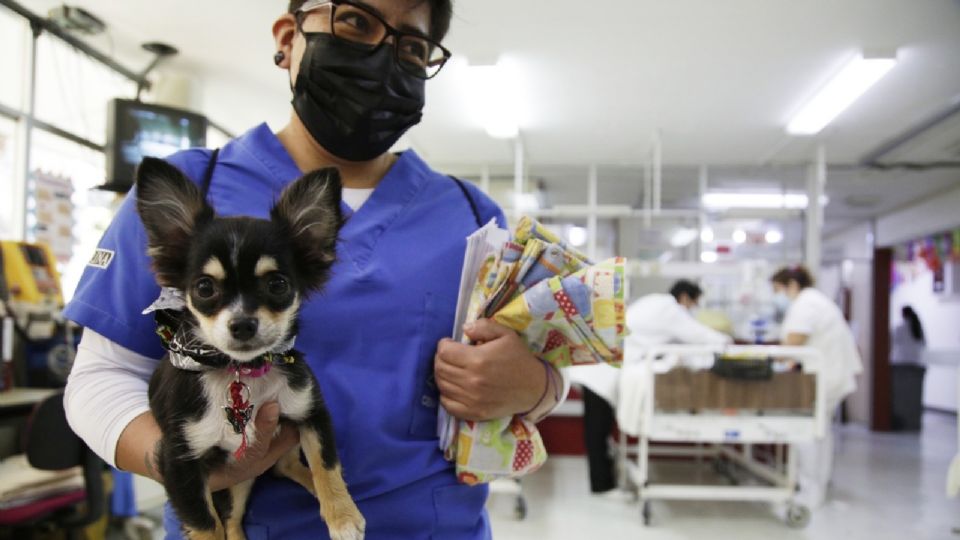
{"x": 654, "y": 319}
{"x": 812, "y": 319}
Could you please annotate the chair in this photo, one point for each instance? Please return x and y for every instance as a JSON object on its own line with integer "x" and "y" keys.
{"x": 51, "y": 445}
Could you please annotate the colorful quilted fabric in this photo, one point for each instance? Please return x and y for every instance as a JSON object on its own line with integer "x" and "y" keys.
{"x": 568, "y": 310}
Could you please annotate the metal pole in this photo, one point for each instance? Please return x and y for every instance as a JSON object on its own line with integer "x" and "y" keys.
{"x": 485, "y": 179}
{"x": 657, "y": 171}
{"x": 816, "y": 183}
{"x": 704, "y": 178}
{"x": 517, "y": 175}
{"x": 592, "y": 215}
{"x": 27, "y": 134}
{"x": 647, "y": 194}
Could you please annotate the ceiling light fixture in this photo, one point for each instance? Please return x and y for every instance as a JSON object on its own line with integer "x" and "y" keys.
{"x": 682, "y": 237}
{"x": 706, "y": 235}
{"x": 494, "y": 94}
{"x": 709, "y": 257}
{"x": 739, "y": 236}
{"x": 525, "y": 202}
{"x": 773, "y": 236}
{"x": 726, "y": 200}
{"x": 851, "y": 82}
{"x": 577, "y": 236}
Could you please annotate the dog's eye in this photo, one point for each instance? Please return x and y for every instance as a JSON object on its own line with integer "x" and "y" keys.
{"x": 205, "y": 287}
{"x": 278, "y": 285}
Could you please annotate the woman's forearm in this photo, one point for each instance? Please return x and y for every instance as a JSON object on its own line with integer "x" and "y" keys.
{"x": 137, "y": 447}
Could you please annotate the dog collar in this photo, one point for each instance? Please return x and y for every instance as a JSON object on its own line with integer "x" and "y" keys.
{"x": 186, "y": 351}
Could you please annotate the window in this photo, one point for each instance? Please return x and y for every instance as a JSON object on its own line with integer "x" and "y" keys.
{"x": 8, "y": 205}
{"x": 13, "y": 38}
{"x": 73, "y": 91}
{"x": 54, "y": 160}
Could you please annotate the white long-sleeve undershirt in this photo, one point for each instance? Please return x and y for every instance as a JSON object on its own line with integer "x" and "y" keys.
{"x": 107, "y": 389}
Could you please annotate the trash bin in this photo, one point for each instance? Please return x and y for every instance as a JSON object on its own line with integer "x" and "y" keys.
{"x": 907, "y": 398}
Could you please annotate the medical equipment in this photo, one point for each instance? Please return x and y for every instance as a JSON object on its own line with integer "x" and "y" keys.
{"x": 31, "y": 299}
{"x": 725, "y": 425}
{"x": 31, "y": 277}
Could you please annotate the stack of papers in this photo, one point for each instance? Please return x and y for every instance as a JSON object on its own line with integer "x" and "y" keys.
{"x": 486, "y": 241}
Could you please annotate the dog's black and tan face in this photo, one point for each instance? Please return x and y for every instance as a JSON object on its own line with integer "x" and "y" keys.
{"x": 244, "y": 278}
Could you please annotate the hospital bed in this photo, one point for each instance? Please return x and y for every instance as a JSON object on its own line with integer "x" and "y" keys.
{"x": 726, "y": 435}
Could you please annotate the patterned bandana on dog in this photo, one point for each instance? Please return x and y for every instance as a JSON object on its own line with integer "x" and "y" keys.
{"x": 189, "y": 352}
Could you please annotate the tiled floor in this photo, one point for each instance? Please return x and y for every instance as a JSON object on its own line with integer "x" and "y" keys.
{"x": 886, "y": 486}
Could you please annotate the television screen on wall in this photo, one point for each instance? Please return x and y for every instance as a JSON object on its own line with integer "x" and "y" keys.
{"x": 136, "y": 130}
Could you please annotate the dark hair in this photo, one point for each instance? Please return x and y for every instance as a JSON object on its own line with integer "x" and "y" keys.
{"x": 686, "y": 287}
{"x": 797, "y": 273}
{"x": 441, "y": 11}
{"x": 916, "y": 328}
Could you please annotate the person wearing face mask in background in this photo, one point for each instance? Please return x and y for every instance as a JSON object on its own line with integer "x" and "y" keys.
{"x": 654, "y": 319}
{"x": 375, "y": 336}
{"x": 812, "y": 319}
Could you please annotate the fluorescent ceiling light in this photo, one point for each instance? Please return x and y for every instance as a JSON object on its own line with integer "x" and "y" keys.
{"x": 683, "y": 237}
{"x": 846, "y": 87}
{"x": 739, "y": 236}
{"x": 773, "y": 236}
{"x": 725, "y": 200}
{"x": 706, "y": 235}
{"x": 577, "y": 236}
{"x": 493, "y": 92}
{"x": 709, "y": 257}
{"x": 525, "y": 202}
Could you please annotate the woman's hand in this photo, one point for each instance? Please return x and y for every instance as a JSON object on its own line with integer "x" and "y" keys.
{"x": 262, "y": 454}
{"x": 495, "y": 378}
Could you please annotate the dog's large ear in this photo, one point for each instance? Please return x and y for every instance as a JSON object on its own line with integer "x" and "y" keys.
{"x": 171, "y": 208}
{"x": 309, "y": 213}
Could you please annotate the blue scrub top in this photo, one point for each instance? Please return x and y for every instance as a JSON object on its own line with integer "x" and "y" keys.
{"x": 369, "y": 337}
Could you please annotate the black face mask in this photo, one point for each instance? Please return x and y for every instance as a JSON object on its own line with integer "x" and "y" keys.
{"x": 356, "y": 104}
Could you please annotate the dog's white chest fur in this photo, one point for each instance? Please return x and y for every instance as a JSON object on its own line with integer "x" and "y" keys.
{"x": 213, "y": 429}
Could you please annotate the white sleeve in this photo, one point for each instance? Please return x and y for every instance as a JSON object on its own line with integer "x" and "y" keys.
{"x": 684, "y": 328}
{"x": 801, "y": 318}
{"x": 106, "y": 390}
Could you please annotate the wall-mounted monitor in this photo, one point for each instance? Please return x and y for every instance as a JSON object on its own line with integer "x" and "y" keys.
{"x": 136, "y": 130}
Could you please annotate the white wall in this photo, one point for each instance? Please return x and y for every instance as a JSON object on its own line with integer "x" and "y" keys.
{"x": 231, "y": 102}
{"x": 936, "y": 214}
{"x": 941, "y": 324}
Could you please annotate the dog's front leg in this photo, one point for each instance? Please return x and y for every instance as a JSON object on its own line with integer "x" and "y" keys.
{"x": 291, "y": 467}
{"x": 337, "y": 508}
{"x": 186, "y": 483}
{"x": 231, "y": 513}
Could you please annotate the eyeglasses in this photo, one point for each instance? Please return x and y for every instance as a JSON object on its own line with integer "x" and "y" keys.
{"x": 359, "y": 27}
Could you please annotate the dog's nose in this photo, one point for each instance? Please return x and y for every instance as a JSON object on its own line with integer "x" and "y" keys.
{"x": 243, "y": 328}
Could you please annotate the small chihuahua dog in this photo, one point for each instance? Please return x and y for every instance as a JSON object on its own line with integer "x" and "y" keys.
{"x": 240, "y": 282}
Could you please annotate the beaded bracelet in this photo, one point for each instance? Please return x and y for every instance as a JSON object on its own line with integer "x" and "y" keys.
{"x": 546, "y": 386}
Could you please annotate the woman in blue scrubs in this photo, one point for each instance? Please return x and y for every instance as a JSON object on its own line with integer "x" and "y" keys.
{"x": 357, "y": 72}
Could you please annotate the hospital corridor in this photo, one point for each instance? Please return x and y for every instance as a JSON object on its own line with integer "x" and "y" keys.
{"x": 479, "y": 269}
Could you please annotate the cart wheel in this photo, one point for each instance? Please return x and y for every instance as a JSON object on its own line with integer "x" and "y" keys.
{"x": 798, "y": 516}
{"x": 520, "y": 509}
{"x": 646, "y": 513}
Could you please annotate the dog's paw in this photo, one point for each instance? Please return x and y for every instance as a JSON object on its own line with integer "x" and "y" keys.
{"x": 350, "y": 527}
